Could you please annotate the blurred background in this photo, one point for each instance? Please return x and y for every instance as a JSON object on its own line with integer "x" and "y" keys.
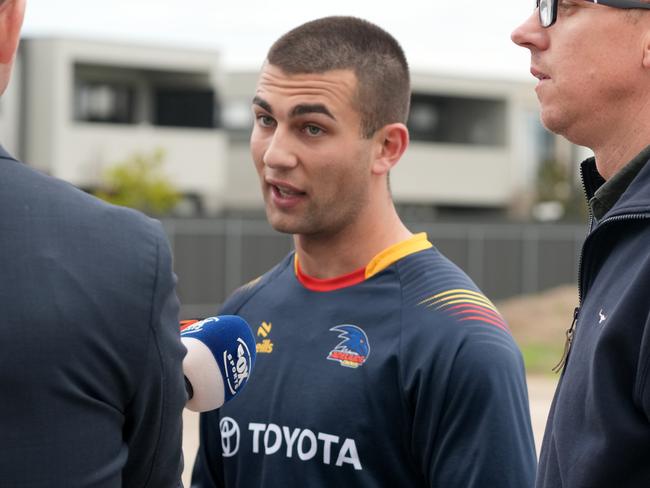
{"x": 147, "y": 104}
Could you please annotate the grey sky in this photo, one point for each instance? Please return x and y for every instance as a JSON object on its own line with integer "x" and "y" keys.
{"x": 449, "y": 36}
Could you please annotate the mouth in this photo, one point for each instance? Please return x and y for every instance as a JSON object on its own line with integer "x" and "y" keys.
{"x": 285, "y": 194}
{"x": 285, "y": 191}
{"x": 541, "y": 76}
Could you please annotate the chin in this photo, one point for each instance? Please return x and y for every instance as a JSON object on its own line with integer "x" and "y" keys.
{"x": 553, "y": 121}
{"x": 282, "y": 228}
{"x": 293, "y": 226}
{"x": 281, "y": 224}
{"x": 578, "y": 131}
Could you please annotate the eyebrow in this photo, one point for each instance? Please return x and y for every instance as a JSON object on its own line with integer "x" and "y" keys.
{"x": 263, "y": 103}
{"x": 316, "y": 108}
{"x": 298, "y": 110}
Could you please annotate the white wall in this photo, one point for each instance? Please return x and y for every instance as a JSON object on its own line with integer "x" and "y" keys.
{"x": 10, "y": 113}
{"x": 452, "y": 174}
{"x": 79, "y": 152}
{"x": 194, "y": 158}
{"x": 243, "y": 190}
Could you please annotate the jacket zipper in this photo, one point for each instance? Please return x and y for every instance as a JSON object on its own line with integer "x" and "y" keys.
{"x": 567, "y": 343}
{"x": 570, "y": 332}
{"x": 561, "y": 365}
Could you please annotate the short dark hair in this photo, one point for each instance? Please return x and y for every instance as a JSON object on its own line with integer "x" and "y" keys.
{"x": 375, "y": 57}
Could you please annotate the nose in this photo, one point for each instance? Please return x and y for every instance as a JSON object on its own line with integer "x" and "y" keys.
{"x": 280, "y": 153}
{"x": 530, "y": 34}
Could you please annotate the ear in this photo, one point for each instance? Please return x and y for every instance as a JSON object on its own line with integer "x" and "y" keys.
{"x": 392, "y": 140}
{"x": 11, "y": 20}
{"x": 646, "y": 47}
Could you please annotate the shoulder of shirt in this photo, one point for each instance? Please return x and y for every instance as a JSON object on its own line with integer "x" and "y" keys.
{"x": 247, "y": 291}
{"x": 445, "y": 317}
{"x": 437, "y": 293}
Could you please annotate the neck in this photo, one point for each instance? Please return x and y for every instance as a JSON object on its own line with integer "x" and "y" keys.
{"x": 352, "y": 247}
{"x": 624, "y": 141}
{"x": 610, "y": 160}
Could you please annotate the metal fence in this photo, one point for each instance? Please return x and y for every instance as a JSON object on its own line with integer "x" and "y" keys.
{"x": 213, "y": 256}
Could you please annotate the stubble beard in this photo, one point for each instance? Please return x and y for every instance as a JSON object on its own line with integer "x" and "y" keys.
{"x": 318, "y": 221}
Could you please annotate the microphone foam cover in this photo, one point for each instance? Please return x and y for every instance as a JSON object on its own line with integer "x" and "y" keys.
{"x": 203, "y": 373}
{"x": 219, "y": 360}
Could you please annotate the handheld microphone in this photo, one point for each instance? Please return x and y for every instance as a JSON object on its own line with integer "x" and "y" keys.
{"x": 219, "y": 360}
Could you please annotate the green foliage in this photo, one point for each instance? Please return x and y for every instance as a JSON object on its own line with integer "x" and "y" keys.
{"x": 540, "y": 358}
{"x": 140, "y": 183}
{"x": 555, "y": 184}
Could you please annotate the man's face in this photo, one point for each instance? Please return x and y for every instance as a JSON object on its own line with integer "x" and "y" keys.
{"x": 313, "y": 164}
{"x": 589, "y": 68}
{"x": 11, "y": 20}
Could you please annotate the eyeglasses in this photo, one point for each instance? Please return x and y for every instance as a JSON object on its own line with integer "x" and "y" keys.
{"x": 547, "y": 9}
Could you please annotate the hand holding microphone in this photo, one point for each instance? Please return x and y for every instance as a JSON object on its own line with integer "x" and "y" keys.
{"x": 219, "y": 360}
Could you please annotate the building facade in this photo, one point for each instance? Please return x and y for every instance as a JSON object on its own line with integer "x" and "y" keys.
{"x": 75, "y": 108}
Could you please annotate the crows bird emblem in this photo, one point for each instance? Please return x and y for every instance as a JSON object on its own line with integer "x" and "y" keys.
{"x": 353, "y": 350}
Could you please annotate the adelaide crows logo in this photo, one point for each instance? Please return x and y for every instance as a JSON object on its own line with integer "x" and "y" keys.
{"x": 353, "y": 350}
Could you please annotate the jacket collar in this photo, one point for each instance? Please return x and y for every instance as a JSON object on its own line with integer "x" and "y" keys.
{"x": 635, "y": 199}
{"x": 591, "y": 178}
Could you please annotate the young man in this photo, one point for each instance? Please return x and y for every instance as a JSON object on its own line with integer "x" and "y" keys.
{"x": 593, "y": 65}
{"x": 379, "y": 362}
{"x": 90, "y": 353}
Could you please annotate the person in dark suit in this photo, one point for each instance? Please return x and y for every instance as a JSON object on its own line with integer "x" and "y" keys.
{"x": 91, "y": 382}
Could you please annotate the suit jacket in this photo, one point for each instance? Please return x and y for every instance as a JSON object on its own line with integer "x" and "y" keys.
{"x": 91, "y": 382}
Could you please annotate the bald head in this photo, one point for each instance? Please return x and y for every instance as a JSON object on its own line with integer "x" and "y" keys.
{"x": 11, "y": 20}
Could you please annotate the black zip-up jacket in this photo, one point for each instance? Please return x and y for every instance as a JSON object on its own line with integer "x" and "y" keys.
{"x": 598, "y": 432}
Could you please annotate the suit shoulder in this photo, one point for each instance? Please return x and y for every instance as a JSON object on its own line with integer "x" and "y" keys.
{"x": 31, "y": 193}
{"x": 71, "y": 224}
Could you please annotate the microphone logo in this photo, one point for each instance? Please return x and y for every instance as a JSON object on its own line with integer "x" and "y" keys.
{"x": 237, "y": 366}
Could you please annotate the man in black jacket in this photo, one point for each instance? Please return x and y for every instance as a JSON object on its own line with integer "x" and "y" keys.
{"x": 592, "y": 60}
{"x": 91, "y": 382}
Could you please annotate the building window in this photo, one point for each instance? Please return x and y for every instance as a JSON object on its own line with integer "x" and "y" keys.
{"x": 104, "y": 102}
{"x": 185, "y": 107}
{"x": 125, "y": 95}
{"x": 457, "y": 120}
{"x": 237, "y": 119}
